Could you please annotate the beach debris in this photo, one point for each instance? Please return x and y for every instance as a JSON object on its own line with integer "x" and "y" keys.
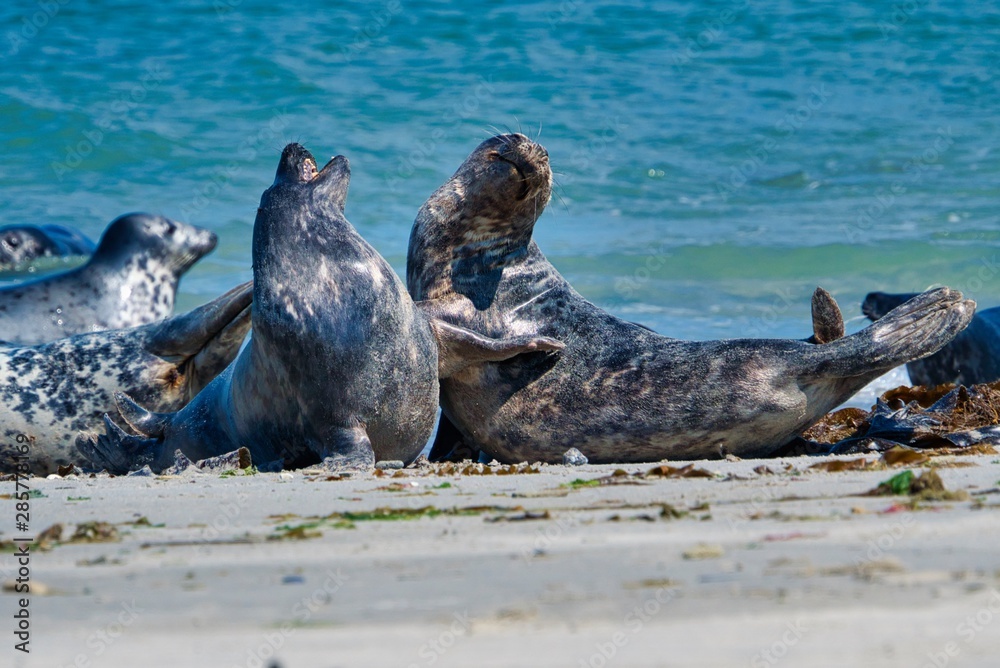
{"x": 95, "y": 532}
{"x": 181, "y": 464}
{"x": 237, "y": 460}
{"x": 940, "y": 419}
{"x": 703, "y": 551}
{"x": 574, "y": 457}
{"x": 525, "y": 516}
{"x": 72, "y": 469}
{"x": 389, "y": 464}
{"x": 689, "y": 471}
{"x": 35, "y": 588}
{"x": 144, "y": 472}
{"x": 835, "y": 465}
{"x": 926, "y": 487}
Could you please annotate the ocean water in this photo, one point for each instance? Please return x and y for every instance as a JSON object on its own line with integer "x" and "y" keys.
{"x": 715, "y": 161}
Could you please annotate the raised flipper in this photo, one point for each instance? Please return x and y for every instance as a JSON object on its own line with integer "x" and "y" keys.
{"x": 347, "y": 448}
{"x": 459, "y": 348}
{"x": 207, "y": 338}
{"x": 828, "y": 321}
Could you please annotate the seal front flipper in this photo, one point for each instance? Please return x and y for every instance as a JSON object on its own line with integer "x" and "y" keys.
{"x": 459, "y": 348}
{"x": 347, "y": 448}
{"x": 828, "y": 321}
{"x": 119, "y": 452}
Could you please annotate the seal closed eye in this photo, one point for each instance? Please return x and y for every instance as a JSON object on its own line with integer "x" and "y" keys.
{"x": 619, "y": 392}
{"x": 342, "y": 367}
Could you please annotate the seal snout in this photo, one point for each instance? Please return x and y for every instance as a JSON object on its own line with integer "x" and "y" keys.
{"x": 529, "y": 160}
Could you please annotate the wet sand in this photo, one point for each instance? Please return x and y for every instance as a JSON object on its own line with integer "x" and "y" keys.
{"x": 746, "y": 567}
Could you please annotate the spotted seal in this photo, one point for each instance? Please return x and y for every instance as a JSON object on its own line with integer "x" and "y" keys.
{"x": 972, "y": 357}
{"x": 22, "y": 244}
{"x": 618, "y": 392}
{"x": 58, "y": 392}
{"x": 130, "y": 280}
{"x": 342, "y": 367}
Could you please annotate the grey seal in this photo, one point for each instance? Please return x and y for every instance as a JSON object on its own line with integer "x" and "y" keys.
{"x": 22, "y": 244}
{"x": 58, "y": 392}
{"x": 342, "y": 367}
{"x": 619, "y": 392}
{"x": 130, "y": 280}
{"x": 973, "y": 357}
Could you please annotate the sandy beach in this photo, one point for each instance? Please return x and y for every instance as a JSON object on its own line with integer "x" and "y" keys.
{"x": 754, "y": 562}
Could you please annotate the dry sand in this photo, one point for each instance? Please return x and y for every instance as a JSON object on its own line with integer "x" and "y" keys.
{"x": 793, "y": 568}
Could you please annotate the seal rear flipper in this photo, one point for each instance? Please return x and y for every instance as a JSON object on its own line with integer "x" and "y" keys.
{"x": 918, "y": 328}
{"x": 347, "y": 448}
{"x": 119, "y": 452}
{"x": 828, "y": 321}
{"x": 145, "y": 422}
{"x": 184, "y": 336}
{"x": 459, "y": 348}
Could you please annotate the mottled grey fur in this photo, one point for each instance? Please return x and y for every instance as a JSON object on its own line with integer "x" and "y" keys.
{"x": 342, "y": 366}
{"x": 619, "y": 392}
{"x": 21, "y": 244}
{"x": 57, "y": 392}
{"x": 131, "y": 280}
{"x": 972, "y": 357}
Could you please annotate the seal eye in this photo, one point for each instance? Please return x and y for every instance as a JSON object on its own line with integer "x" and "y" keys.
{"x": 12, "y": 241}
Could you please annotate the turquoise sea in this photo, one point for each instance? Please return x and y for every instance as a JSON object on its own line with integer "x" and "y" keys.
{"x": 715, "y": 161}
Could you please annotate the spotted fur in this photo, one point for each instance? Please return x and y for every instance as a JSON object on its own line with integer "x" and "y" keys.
{"x": 58, "y": 392}
{"x": 131, "y": 280}
{"x": 619, "y": 392}
{"x": 21, "y": 244}
{"x": 342, "y": 366}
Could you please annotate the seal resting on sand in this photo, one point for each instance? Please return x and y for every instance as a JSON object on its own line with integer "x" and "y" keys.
{"x": 973, "y": 357}
{"x": 618, "y": 392}
{"x": 52, "y": 394}
{"x": 342, "y": 367}
{"x": 131, "y": 280}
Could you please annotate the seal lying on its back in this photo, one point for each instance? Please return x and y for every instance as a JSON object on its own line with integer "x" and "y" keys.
{"x": 973, "y": 357}
{"x": 20, "y": 244}
{"x": 54, "y": 392}
{"x": 342, "y": 367}
{"x": 131, "y": 280}
{"x": 619, "y": 392}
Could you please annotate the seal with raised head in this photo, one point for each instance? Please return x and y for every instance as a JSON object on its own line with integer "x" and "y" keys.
{"x": 56, "y": 393}
{"x": 342, "y": 367}
{"x": 973, "y": 356}
{"x": 619, "y": 392}
{"x": 22, "y": 244}
{"x": 130, "y": 280}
